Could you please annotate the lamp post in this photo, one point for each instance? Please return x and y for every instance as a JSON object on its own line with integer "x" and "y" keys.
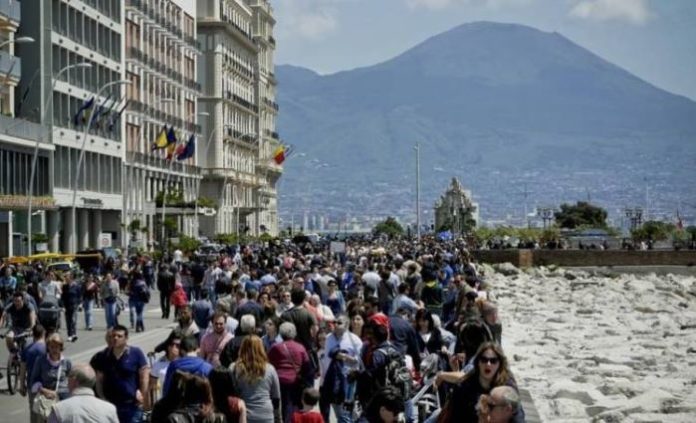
{"x": 418, "y": 225}
{"x": 166, "y": 182}
{"x": 198, "y": 185}
{"x": 18, "y": 40}
{"x": 35, "y": 157}
{"x": 73, "y": 217}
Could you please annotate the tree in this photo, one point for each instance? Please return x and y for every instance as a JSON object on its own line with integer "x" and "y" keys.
{"x": 188, "y": 244}
{"x": 581, "y": 214}
{"x": 653, "y": 230}
{"x": 389, "y": 227}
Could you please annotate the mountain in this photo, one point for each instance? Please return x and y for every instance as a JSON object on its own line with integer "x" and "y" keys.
{"x": 502, "y": 107}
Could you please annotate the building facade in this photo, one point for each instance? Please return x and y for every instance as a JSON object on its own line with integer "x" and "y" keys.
{"x": 268, "y": 172}
{"x": 161, "y": 58}
{"x": 236, "y": 42}
{"x": 69, "y": 33}
{"x": 18, "y": 140}
{"x": 454, "y": 210}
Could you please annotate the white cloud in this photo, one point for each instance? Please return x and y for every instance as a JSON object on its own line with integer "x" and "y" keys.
{"x": 310, "y": 19}
{"x": 634, "y": 11}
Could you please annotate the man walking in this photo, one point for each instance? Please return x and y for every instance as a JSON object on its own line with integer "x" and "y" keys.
{"x": 123, "y": 376}
{"x": 82, "y": 406}
{"x": 72, "y": 295}
{"x": 165, "y": 286}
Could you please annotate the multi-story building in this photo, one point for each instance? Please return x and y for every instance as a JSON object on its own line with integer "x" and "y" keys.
{"x": 267, "y": 171}
{"x": 69, "y": 33}
{"x": 18, "y": 138}
{"x": 230, "y": 73}
{"x": 161, "y": 56}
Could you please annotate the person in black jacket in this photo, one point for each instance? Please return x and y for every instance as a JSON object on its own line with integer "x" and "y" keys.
{"x": 403, "y": 336}
{"x": 165, "y": 286}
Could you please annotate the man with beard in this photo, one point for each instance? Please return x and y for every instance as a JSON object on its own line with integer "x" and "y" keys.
{"x": 213, "y": 343}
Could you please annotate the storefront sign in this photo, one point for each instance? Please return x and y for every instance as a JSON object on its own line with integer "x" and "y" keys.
{"x": 92, "y": 202}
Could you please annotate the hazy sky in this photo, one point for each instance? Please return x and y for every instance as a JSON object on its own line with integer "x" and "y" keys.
{"x": 654, "y": 39}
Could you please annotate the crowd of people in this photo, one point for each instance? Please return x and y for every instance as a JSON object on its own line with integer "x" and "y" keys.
{"x": 270, "y": 333}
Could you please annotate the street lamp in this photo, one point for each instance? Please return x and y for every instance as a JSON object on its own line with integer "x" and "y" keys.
{"x": 18, "y": 40}
{"x": 35, "y": 157}
{"x": 198, "y": 186}
{"x": 73, "y": 216}
{"x": 166, "y": 182}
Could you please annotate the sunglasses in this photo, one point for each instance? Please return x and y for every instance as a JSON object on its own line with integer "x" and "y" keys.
{"x": 492, "y": 405}
{"x": 489, "y": 360}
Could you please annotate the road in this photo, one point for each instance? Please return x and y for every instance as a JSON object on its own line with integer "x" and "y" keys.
{"x": 15, "y": 408}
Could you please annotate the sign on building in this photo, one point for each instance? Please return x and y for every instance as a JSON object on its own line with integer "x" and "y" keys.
{"x": 105, "y": 240}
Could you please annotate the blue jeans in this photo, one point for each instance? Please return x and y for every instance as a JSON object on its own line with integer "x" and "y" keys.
{"x": 129, "y": 415}
{"x": 131, "y": 311}
{"x": 139, "y": 306}
{"x": 110, "y": 314}
{"x": 71, "y": 320}
{"x": 342, "y": 415}
{"x": 87, "y": 306}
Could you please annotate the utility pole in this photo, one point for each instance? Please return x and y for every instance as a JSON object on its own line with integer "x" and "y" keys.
{"x": 418, "y": 225}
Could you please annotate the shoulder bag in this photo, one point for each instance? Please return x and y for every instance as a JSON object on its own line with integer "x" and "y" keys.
{"x": 43, "y": 405}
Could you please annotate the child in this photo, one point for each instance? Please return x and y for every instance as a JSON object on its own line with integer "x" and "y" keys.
{"x": 178, "y": 298}
{"x": 310, "y": 398}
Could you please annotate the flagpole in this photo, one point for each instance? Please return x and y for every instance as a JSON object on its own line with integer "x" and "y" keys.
{"x": 166, "y": 183}
{"x": 35, "y": 157}
{"x": 129, "y": 174}
{"x": 73, "y": 217}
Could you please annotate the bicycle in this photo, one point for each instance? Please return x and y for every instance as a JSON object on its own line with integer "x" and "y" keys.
{"x": 13, "y": 361}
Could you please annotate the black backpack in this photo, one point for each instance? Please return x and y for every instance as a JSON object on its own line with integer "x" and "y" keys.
{"x": 396, "y": 374}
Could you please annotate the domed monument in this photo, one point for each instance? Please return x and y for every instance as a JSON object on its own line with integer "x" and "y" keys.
{"x": 454, "y": 210}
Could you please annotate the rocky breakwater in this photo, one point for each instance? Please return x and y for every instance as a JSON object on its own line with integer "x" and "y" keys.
{"x": 600, "y": 348}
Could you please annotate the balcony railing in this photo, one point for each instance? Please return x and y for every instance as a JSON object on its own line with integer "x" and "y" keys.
{"x": 10, "y": 65}
{"x": 22, "y": 128}
{"x": 152, "y": 160}
{"x": 10, "y": 9}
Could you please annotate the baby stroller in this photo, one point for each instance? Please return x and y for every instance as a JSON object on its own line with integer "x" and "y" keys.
{"x": 427, "y": 398}
{"x": 49, "y": 315}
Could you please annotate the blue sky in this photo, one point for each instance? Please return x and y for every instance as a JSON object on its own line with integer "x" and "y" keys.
{"x": 654, "y": 39}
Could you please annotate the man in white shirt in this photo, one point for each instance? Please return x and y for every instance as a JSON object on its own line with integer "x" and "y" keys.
{"x": 344, "y": 346}
{"x": 83, "y": 405}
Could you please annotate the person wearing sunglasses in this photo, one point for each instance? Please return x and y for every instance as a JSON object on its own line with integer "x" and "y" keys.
{"x": 490, "y": 371}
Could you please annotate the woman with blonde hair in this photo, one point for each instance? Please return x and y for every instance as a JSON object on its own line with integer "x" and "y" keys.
{"x": 48, "y": 381}
{"x": 257, "y": 382}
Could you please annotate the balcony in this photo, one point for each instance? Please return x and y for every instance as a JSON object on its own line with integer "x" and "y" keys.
{"x": 272, "y": 40}
{"x": 10, "y": 65}
{"x": 24, "y": 129}
{"x": 10, "y": 9}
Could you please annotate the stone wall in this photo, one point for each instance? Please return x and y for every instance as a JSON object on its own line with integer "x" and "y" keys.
{"x": 527, "y": 258}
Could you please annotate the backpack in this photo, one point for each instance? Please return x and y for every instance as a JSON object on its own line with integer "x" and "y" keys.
{"x": 142, "y": 291}
{"x": 396, "y": 373}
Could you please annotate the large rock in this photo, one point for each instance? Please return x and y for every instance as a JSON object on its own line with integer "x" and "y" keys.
{"x": 507, "y": 269}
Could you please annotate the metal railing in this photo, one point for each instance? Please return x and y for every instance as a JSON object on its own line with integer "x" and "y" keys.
{"x": 11, "y": 9}
{"x": 22, "y": 128}
{"x": 11, "y": 64}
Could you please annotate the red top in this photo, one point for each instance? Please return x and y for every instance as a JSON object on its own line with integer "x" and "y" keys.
{"x": 289, "y": 359}
{"x": 307, "y": 417}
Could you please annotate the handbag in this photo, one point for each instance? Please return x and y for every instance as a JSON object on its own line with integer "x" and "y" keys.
{"x": 43, "y": 405}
